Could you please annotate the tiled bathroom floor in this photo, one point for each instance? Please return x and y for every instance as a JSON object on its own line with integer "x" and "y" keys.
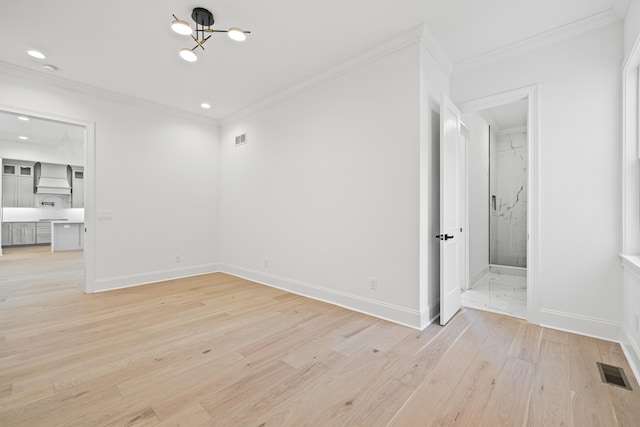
{"x": 500, "y": 293}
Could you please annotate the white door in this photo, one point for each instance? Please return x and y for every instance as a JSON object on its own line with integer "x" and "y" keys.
{"x": 450, "y": 218}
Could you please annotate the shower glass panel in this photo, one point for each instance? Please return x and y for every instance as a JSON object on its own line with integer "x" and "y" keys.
{"x": 508, "y": 200}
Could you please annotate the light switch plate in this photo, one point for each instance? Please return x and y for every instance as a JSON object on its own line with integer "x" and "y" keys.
{"x": 105, "y": 215}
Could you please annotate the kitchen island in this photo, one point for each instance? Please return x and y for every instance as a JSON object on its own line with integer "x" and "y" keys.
{"x": 67, "y": 235}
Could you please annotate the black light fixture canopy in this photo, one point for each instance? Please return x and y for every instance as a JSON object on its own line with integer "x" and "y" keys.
{"x": 203, "y": 19}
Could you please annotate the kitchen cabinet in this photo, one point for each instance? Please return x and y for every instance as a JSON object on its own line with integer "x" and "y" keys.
{"x": 23, "y": 233}
{"x": 43, "y": 232}
{"x": 77, "y": 188}
{"x": 6, "y": 234}
{"x": 67, "y": 235}
{"x": 17, "y": 186}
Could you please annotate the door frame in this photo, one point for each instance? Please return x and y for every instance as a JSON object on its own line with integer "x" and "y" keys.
{"x": 89, "y": 190}
{"x": 531, "y": 94}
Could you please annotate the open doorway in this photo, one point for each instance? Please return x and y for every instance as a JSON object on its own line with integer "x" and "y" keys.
{"x": 497, "y": 165}
{"x": 500, "y": 204}
{"x": 43, "y": 193}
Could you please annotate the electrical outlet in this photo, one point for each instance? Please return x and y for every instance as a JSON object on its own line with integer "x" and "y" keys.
{"x": 373, "y": 284}
{"x": 177, "y": 259}
{"x": 266, "y": 262}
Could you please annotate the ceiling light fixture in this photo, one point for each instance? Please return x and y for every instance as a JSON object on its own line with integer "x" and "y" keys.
{"x": 24, "y": 138}
{"x": 204, "y": 20}
{"x": 50, "y": 67}
{"x": 205, "y": 105}
{"x": 23, "y": 118}
{"x": 181, "y": 27}
{"x": 188, "y": 55}
{"x": 36, "y": 54}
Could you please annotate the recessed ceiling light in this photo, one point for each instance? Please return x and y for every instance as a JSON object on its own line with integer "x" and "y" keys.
{"x": 205, "y": 105}
{"x": 23, "y": 118}
{"x": 23, "y": 137}
{"x": 188, "y": 55}
{"x": 36, "y": 54}
{"x": 50, "y": 67}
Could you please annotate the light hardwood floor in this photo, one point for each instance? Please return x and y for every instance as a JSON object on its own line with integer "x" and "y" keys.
{"x": 218, "y": 350}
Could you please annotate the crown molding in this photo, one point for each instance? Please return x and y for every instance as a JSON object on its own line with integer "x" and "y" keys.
{"x": 434, "y": 47}
{"x": 620, "y": 8}
{"x": 413, "y": 36}
{"x": 582, "y": 26}
{"x": 85, "y": 89}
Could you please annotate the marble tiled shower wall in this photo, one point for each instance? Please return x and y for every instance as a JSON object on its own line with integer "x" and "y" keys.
{"x": 508, "y": 185}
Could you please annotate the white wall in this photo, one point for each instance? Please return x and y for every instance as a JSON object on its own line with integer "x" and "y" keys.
{"x": 156, "y": 171}
{"x": 631, "y": 25}
{"x": 325, "y": 194}
{"x": 579, "y": 154}
{"x": 478, "y": 169}
{"x": 65, "y": 153}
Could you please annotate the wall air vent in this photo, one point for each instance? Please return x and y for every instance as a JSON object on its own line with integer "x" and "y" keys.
{"x": 241, "y": 139}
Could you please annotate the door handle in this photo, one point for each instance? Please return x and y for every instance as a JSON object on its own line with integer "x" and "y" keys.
{"x": 444, "y": 236}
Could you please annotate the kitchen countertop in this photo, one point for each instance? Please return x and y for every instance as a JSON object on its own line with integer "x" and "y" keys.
{"x": 68, "y": 221}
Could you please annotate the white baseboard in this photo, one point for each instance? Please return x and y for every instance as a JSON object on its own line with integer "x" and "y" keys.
{"x": 379, "y": 309}
{"x": 631, "y": 351}
{"x": 120, "y": 282}
{"x": 583, "y": 325}
{"x": 507, "y": 269}
{"x": 427, "y": 317}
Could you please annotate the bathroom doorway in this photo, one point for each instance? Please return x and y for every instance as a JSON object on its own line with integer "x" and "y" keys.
{"x": 500, "y": 210}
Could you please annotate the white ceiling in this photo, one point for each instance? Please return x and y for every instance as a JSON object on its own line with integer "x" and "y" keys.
{"x": 128, "y": 47}
{"x": 39, "y": 131}
{"x": 508, "y": 116}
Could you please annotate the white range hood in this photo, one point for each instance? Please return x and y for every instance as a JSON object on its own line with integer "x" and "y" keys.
{"x": 53, "y": 180}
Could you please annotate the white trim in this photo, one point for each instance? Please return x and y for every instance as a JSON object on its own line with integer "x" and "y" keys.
{"x": 620, "y": 8}
{"x": 85, "y": 89}
{"x": 631, "y": 351}
{"x": 631, "y": 264}
{"x": 532, "y": 95}
{"x": 90, "y": 179}
{"x": 371, "y": 307}
{"x": 583, "y": 325}
{"x": 433, "y": 46}
{"x": 630, "y": 153}
{"x": 427, "y": 317}
{"x": 419, "y": 34}
{"x": 133, "y": 280}
{"x": 556, "y": 35}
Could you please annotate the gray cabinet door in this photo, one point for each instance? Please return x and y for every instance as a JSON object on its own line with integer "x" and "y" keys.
{"x": 24, "y": 192}
{"x": 6, "y": 234}
{"x": 23, "y": 233}
{"x": 9, "y": 193}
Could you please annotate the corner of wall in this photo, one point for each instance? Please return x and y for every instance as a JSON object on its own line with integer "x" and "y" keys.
{"x": 375, "y": 308}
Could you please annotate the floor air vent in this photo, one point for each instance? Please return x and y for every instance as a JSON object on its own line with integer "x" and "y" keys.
{"x": 613, "y": 375}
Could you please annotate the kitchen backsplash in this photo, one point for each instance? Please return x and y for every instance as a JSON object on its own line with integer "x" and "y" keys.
{"x": 45, "y": 212}
{"x": 60, "y": 201}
